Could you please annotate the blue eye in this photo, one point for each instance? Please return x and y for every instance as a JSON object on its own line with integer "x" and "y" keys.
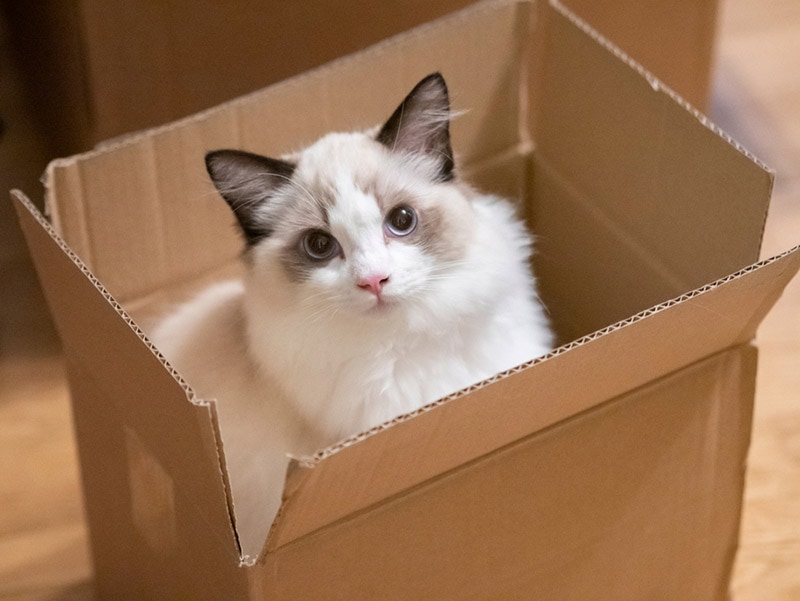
{"x": 401, "y": 221}
{"x": 319, "y": 245}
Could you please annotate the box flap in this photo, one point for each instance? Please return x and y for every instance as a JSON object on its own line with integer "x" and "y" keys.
{"x": 636, "y": 499}
{"x": 672, "y": 38}
{"x": 462, "y": 428}
{"x": 618, "y": 150}
{"x": 163, "y": 439}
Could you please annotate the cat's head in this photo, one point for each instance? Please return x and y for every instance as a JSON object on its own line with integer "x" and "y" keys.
{"x": 362, "y": 223}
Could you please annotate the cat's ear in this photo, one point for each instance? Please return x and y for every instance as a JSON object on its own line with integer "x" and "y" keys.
{"x": 246, "y": 181}
{"x": 421, "y": 125}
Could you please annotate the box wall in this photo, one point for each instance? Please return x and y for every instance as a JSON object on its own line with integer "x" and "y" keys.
{"x": 139, "y": 513}
{"x": 646, "y": 198}
{"x": 650, "y": 481}
{"x": 149, "y": 459}
{"x": 674, "y": 39}
{"x": 605, "y": 365}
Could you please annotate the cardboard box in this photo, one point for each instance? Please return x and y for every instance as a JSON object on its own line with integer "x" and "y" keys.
{"x": 611, "y": 469}
{"x": 103, "y": 69}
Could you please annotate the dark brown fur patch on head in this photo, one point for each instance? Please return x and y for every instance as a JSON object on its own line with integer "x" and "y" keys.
{"x": 296, "y": 264}
{"x": 307, "y": 211}
{"x": 434, "y": 237}
{"x": 434, "y": 233}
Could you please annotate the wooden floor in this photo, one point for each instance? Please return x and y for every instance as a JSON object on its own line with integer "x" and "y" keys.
{"x": 43, "y": 542}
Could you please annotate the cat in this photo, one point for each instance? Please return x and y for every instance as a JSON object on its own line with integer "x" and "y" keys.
{"x": 375, "y": 282}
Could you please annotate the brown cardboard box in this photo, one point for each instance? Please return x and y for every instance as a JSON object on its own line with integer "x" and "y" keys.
{"x": 611, "y": 469}
{"x": 102, "y": 69}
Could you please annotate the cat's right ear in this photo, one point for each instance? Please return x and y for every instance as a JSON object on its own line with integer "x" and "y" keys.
{"x": 246, "y": 181}
{"x": 421, "y": 125}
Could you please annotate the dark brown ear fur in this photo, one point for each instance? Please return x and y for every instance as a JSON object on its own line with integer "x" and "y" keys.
{"x": 421, "y": 124}
{"x": 246, "y": 180}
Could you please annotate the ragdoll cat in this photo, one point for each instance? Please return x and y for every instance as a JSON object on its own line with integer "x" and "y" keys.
{"x": 376, "y": 282}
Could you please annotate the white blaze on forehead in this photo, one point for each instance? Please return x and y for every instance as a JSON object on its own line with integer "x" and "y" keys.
{"x": 356, "y": 221}
{"x": 353, "y": 209}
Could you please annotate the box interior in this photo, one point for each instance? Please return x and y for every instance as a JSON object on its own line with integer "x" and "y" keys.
{"x": 631, "y": 203}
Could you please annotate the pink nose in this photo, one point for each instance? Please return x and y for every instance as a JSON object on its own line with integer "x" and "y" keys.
{"x": 373, "y": 283}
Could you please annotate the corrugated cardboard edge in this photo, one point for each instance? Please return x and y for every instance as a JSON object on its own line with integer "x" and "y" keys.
{"x": 488, "y": 531}
{"x": 610, "y": 165}
{"x": 19, "y": 197}
{"x": 748, "y": 333}
{"x": 27, "y": 212}
{"x": 448, "y": 434}
{"x": 657, "y": 84}
{"x": 646, "y": 32}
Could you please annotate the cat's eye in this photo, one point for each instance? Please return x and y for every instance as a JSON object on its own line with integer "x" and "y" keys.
{"x": 401, "y": 220}
{"x": 319, "y": 245}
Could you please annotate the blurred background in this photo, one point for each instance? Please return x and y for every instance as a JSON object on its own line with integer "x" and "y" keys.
{"x": 76, "y": 73}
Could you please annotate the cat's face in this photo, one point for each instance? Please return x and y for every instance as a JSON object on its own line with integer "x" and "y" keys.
{"x": 357, "y": 223}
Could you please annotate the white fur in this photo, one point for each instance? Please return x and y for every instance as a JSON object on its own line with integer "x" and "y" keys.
{"x": 297, "y": 366}
{"x": 205, "y": 340}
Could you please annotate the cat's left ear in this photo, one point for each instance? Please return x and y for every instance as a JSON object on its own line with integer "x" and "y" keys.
{"x": 421, "y": 125}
